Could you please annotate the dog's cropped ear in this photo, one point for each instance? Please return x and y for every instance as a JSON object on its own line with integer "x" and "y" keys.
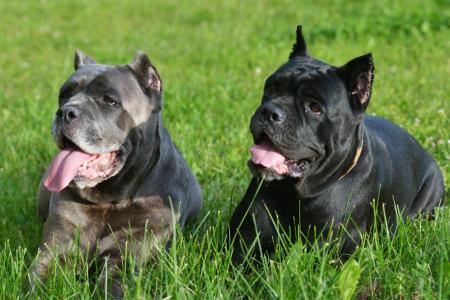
{"x": 358, "y": 77}
{"x": 145, "y": 72}
{"x": 299, "y": 48}
{"x": 81, "y": 59}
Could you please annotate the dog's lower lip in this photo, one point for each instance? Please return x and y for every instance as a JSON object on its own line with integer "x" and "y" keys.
{"x": 298, "y": 161}
{"x": 297, "y": 168}
{"x": 102, "y": 173}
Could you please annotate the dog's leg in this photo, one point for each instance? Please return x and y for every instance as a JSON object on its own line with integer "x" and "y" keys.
{"x": 58, "y": 239}
{"x": 55, "y": 242}
{"x": 252, "y": 228}
{"x": 143, "y": 243}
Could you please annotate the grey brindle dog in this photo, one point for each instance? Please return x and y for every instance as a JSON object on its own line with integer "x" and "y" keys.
{"x": 119, "y": 179}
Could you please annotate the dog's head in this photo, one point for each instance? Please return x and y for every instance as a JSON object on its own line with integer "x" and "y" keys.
{"x": 99, "y": 106}
{"x": 308, "y": 115}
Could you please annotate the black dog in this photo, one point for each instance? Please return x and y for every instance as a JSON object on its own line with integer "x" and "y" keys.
{"x": 323, "y": 162}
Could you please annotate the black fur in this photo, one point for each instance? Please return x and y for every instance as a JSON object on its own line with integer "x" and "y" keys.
{"x": 320, "y": 121}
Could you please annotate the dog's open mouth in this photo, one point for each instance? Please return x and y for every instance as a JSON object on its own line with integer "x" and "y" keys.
{"x": 267, "y": 161}
{"x": 100, "y": 165}
{"x": 73, "y": 163}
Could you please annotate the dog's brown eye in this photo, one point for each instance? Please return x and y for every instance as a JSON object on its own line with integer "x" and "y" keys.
{"x": 109, "y": 100}
{"x": 315, "y": 108}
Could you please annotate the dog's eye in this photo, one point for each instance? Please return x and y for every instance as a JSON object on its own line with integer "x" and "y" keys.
{"x": 64, "y": 94}
{"x": 269, "y": 89}
{"x": 315, "y": 108}
{"x": 109, "y": 100}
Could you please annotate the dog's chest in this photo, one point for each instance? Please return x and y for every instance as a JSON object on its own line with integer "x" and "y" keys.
{"x": 150, "y": 212}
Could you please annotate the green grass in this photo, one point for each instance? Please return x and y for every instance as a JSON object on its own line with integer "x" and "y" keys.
{"x": 214, "y": 57}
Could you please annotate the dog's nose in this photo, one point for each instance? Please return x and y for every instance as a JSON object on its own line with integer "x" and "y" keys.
{"x": 69, "y": 113}
{"x": 273, "y": 113}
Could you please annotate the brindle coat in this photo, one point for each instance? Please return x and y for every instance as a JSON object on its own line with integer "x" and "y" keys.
{"x": 154, "y": 189}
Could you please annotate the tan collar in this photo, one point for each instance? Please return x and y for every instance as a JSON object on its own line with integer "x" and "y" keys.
{"x": 355, "y": 159}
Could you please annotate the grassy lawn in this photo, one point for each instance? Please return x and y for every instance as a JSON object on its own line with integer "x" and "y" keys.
{"x": 213, "y": 57}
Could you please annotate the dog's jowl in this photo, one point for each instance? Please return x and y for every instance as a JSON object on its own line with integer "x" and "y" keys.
{"x": 323, "y": 163}
{"x": 118, "y": 180}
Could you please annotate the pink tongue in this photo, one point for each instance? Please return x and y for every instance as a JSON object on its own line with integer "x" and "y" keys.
{"x": 63, "y": 169}
{"x": 266, "y": 155}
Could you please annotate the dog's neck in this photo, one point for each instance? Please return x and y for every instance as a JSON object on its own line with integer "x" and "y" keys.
{"x": 336, "y": 169}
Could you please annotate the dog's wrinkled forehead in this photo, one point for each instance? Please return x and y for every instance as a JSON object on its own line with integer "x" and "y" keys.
{"x": 84, "y": 75}
{"x": 103, "y": 78}
{"x": 118, "y": 81}
{"x": 306, "y": 72}
{"x": 302, "y": 79}
{"x": 303, "y": 68}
